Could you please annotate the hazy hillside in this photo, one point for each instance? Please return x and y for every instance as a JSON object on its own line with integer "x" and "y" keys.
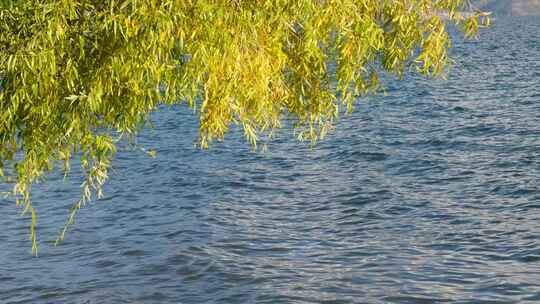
{"x": 526, "y": 7}
{"x": 512, "y": 7}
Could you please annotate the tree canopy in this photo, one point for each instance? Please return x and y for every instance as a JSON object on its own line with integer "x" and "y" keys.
{"x": 78, "y": 76}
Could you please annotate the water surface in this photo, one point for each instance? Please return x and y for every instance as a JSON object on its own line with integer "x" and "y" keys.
{"x": 427, "y": 195}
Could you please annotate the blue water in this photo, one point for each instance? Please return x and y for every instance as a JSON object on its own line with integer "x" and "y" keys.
{"x": 429, "y": 194}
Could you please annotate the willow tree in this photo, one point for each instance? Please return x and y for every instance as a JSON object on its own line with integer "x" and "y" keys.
{"x": 77, "y": 76}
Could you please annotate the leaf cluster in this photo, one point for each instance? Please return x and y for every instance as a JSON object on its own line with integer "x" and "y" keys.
{"x": 77, "y": 76}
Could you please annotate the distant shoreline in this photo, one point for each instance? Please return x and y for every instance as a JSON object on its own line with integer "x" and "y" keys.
{"x": 512, "y": 7}
{"x": 525, "y": 7}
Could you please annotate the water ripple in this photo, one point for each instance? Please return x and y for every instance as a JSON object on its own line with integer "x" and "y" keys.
{"x": 428, "y": 195}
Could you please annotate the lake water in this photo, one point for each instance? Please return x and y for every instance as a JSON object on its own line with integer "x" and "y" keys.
{"x": 428, "y": 195}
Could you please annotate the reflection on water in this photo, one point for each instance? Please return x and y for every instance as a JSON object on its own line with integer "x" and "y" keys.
{"x": 430, "y": 194}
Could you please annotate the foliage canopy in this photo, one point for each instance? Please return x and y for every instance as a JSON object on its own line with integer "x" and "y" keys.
{"x": 77, "y": 76}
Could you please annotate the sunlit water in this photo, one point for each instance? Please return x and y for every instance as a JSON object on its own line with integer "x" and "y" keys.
{"x": 427, "y": 195}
